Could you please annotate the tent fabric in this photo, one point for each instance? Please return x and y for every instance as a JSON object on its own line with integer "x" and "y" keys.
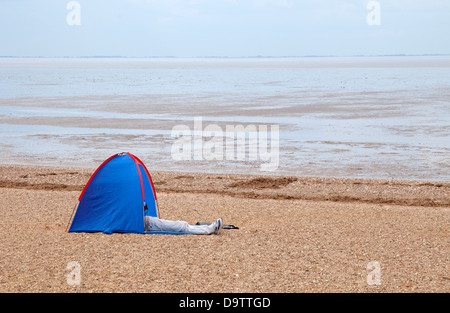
{"x": 115, "y": 196}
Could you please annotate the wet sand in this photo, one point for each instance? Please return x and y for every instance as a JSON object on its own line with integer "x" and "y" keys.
{"x": 296, "y": 234}
{"x": 61, "y": 133}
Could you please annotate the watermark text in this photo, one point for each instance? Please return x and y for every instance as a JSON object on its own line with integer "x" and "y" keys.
{"x": 236, "y": 143}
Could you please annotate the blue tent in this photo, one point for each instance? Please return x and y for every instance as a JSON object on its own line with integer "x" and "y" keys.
{"x": 116, "y": 198}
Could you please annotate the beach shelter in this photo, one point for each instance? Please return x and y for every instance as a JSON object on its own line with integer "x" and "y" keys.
{"x": 116, "y": 198}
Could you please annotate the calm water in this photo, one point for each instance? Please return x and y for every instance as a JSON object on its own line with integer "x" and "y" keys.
{"x": 380, "y": 117}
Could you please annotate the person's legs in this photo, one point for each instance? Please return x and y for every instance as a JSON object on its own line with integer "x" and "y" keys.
{"x": 180, "y": 227}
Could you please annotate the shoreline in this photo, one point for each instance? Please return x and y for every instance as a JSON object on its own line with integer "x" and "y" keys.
{"x": 256, "y": 186}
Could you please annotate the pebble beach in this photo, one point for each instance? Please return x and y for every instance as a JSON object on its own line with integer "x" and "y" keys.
{"x": 296, "y": 234}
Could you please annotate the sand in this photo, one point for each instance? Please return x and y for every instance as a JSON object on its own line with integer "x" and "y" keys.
{"x": 296, "y": 234}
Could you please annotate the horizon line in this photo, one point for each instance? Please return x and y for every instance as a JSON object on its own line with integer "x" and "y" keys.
{"x": 218, "y": 57}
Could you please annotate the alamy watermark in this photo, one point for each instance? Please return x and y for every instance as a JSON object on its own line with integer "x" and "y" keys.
{"x": 374, "y": 276}
{"x": 236, "y": 143}
{"x": 374, "y": 16}
{"x": 73, "y": 18}
{"x": 74, "y": 276}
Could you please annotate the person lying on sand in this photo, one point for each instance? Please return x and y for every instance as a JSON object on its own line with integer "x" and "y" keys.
{"x": 154, "y": 224}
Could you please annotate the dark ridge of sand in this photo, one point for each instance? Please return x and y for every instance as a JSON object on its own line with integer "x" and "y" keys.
{"x": 377, "y": 191}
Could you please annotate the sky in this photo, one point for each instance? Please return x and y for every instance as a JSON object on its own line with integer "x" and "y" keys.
{"x": 215, "y": 28}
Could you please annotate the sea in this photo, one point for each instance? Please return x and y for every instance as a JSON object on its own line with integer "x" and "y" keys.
{"x": 384, "y": 117}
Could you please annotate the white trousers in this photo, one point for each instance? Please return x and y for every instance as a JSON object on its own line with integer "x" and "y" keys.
{"x": 154, "y": 224}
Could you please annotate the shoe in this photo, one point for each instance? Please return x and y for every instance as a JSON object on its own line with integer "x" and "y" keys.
{"x": 218, "y": 226}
